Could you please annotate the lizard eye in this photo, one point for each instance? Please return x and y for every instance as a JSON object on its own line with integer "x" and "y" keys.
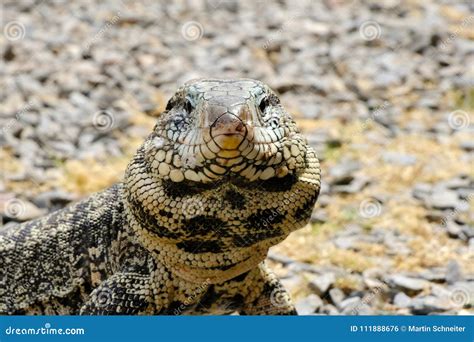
{"x": 171, "y": 103}
{"x": 264, "y": 103}
{"x": 188, "y": 106}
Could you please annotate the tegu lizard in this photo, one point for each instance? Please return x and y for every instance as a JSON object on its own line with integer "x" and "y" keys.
{"x": 224, "y": 175}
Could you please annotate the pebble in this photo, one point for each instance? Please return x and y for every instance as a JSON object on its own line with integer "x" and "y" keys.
{"x": 408, "y": 283}
{"x": 308, "y": 305}
{"x": 402, "y": 300}
{"x": 429, "y": 304}
{"x": 467, "y": 145}
{"x": 399, "y": 158}
{"x": 337, "y": 296}
{"x": 453, "y": 272}
{"x": 350, "y": 304}
{"x": 342, "y": 173}
{"x": 443, "y": 199}
{"x": 320, "y": 284}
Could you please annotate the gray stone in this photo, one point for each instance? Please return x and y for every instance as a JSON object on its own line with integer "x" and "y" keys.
{"x": 429, "y": 304}
{"x": 453, "y": 272}
{"x": 346, "y": 242}
{"x": 437, "y": 275}
{"x": 455, "y": 230}
{"x": 320, "y": 284}
{"x": 443, "y": 199}
{"x": 422, "y": 190}
{"x": 467, "y": 145}
{"x": 408, "y": 283}
{"x": 355, "y": 186}
{"x": 362, "y": 309}
{"x": 456, "y": 183}
{"x": 329, "y": 309}
{"x": 402, "y": 300}
{"x": 319, "y": 216}
{"x": 350, "y": 304}
{"x": 468, "y": 231}
{"x": 337, "y": 296}
{"x": 292, "y": 282}
{"x": 399, "y": 158}
{"x": 342, "y": 173}
{"x": 308, "y": 305}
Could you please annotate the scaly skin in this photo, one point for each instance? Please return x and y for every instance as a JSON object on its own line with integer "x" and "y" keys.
{"x": 224, "y": 176}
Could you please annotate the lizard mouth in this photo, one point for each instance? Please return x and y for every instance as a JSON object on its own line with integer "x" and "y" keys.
{"x": 229, "y": 141}
{"x": 228, "y": 131}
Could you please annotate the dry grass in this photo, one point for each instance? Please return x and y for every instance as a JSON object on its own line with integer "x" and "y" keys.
{"x": 435, "y": 161}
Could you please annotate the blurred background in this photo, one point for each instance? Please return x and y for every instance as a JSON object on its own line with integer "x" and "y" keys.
{"x": 384, "y": 91}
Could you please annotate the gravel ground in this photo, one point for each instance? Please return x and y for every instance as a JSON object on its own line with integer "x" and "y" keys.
{"x": 382, "y": 89}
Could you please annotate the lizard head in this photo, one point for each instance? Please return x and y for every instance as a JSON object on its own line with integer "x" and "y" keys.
{"x": 224, "y": 175}
{"x": 225, "y": 129}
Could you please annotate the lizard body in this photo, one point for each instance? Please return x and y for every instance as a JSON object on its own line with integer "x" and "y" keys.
{"x": 224, "y": 176}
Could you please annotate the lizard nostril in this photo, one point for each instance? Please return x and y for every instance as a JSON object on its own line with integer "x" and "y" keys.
{"x": 228, "y": 124}
{"x": 240, "y": 127}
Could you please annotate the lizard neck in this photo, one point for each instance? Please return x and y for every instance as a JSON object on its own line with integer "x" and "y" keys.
{"x": 211, "y": 268}
{"x": 215, "y": 233}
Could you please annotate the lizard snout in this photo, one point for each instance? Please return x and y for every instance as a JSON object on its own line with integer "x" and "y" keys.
{"x": 228, "y": 131}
